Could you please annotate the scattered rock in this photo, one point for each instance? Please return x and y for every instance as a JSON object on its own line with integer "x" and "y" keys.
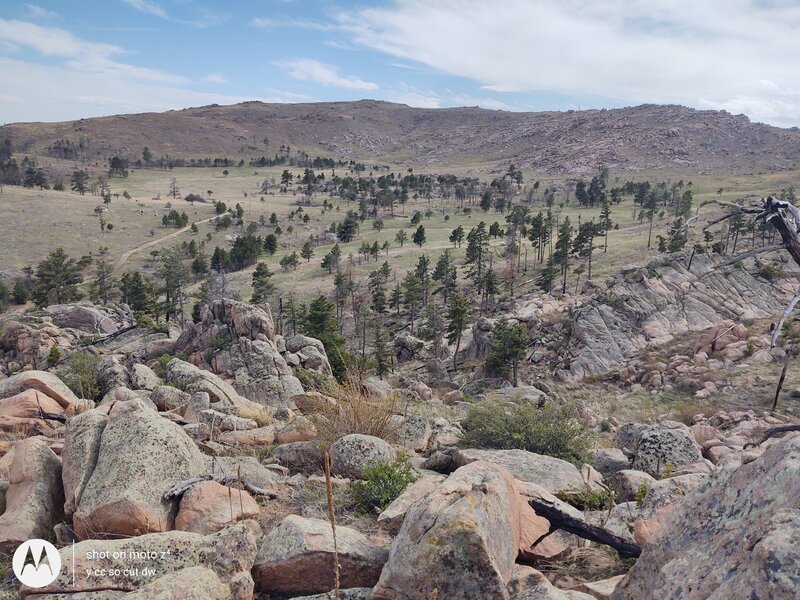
{"x": 663, "y": 444}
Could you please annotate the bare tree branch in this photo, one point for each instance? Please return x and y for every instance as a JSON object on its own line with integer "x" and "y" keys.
{"x": 786, "y": 312}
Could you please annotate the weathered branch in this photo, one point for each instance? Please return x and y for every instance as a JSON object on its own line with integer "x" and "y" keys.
{"x": 230, "y": 480}
{"x": 561, "y": 520}
{"x": 750, "y": 253}
{"x": 776, "y": 333}
{"x": 772, "y": 432}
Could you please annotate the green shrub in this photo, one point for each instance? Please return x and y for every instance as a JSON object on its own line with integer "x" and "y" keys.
{"x": 550, "y": 430}
{"x": 640, "y": 494}
{"x": 160, "y": 368}
{"x": 382, "y": 484}
{"x": 587, "y": 499}
{"x": 82, "y": 375}
{"x": 53, "y": 356}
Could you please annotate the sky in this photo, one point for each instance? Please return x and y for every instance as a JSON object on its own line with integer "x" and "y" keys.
{"x": 70, "y": 59}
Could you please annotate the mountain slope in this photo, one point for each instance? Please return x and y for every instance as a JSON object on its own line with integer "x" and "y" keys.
{"x": 642, "y": 137}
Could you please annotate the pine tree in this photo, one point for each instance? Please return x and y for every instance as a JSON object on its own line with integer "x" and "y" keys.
{"x": 401, "y": 237}
{"x": 605, "y": 221}
{"x": 562, "y": 250}
{"x": 396, "y": 298}
{"x": 508, "y": 348}
{"x": 307, "y": 252}
{"x": 103, "y": 284}
{"x": 419, "y": 236}
{"x": 381, "y": 353}
{"x": 457, "y": 321}
{"x": 321, "y": 323}
{"x": 583, "y": 244}
{"x": 412, "y": 295}
{"x": 445, "y": 275}
{"x": 263, "y": 287}
{"x": 57, "y": 279}
{"x": 270, "y": 243}
{"x": 547, "y": 275}
{"x": 457, "y": 236}
{"x": 138, "y": 292}
{"x": 477, "y": 250}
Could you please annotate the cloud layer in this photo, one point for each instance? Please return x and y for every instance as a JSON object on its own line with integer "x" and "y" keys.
{"x": 740, "y": 55}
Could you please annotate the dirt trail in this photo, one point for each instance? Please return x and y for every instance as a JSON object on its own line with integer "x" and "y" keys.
{"x": 124, "y": 258}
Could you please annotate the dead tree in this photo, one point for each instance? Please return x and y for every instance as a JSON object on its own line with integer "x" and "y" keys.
{"x": 785, "y": 218}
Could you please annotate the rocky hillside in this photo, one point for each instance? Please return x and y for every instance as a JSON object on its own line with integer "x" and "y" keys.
{"x": 573, "y": 142}
{"x": 189, "y": 464}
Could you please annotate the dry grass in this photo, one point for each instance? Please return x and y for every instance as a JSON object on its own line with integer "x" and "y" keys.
{"x": 358, "y": 412}
{"x": 584, "y": 564}
{"x": 262, "y": 417}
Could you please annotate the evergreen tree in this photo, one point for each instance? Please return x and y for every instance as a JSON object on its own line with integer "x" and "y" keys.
{"x": 321, "y": 323}
{"x": 175, "y": 275}
{"x": 138, "y": 292}
{"x": 457, "y": 236}
{"x": 20, "y": 294}
{"x": 263, "y": 287}
{"x": 412, "y": 295}
{"x": 331, "y": 260}
{"x": 290, "y": 261}
{"x": 270, "y": 243}
{"x": 445, "y": 275}
{"x": 508, "y": 348}
{"x": 103, "y": 285}
{"x": 396, "y": 298}
{"x": 381, "y": 353}
{"x": 419, "y": 236}
{"x": 547, "y": 275}
{"x": 583, "y": 244}
{"x": 401, "y": 237}
{"x": 307, "y": 252}
{"x": 457, "y": 321}
{"x": 423, "y": 273}
{"x": 477, "y": 250}
{"x": 605, "y": 221}
{"x": 57, "y": 279}
{"x": 219, "y": 260}
{"x": 78, "y": 181}
{"x": 562, "y": 250}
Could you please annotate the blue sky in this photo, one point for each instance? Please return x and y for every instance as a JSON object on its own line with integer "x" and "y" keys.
{"x": 67, "y": 59}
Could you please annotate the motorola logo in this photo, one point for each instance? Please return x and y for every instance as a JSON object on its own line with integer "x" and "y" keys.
{"x": 36, "y": 563}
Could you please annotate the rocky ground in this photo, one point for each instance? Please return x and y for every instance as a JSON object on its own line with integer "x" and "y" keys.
{"x": 200, "y": 456}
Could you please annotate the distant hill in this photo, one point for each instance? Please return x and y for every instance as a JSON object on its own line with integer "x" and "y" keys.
{"x": 573, "y": 142}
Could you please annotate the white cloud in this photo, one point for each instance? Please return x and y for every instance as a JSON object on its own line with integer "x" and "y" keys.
{"x": 305, "y": 69}
{"x": 716, "y": 53}
{"x": 37, "y": 12}
{"x": 215, "y": 78}
{"x": 148, "y": 7}
{"x": 290, "y": 22}
{"x": 81, "y": 93}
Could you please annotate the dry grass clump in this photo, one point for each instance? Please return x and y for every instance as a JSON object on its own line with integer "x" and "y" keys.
{"x": 584, "y": 564}
{"x": 356, "y": 411}
{"x": 260, "y": 416}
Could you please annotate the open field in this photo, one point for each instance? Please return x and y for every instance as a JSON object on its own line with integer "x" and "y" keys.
{"x": 40, "y": 220}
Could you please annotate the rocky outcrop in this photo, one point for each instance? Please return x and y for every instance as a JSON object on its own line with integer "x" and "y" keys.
{"x": 734, "y": 536}
{"x": 23, "y": 413}
{"x": 140, "y": 456}
{"x": 34, "y": 499}
{"x": 90, "y": 318}
{"x": 193, "y": 379}
{"x": 650, "y": 305}
{"x": 160, "y": 562}
{"x": 238, "y": 341}
{"x": 297, "y": 557}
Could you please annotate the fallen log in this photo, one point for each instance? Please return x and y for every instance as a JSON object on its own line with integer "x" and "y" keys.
{"x": 561, "y": 520}
{"x": 230, "y": 480}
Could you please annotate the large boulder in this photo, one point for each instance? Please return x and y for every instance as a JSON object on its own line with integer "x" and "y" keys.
{"x": 193, "y": 379}
{"x": 297, "y": 556}
{"x": 733, "y": 536}
{"x": 34, "y": 498}
{"x": 551, "y": 473}
{"x": 141, "y": 563}
{"x": 209, "y": 507}
{"x": 80, "y": 453}
{"x": 141, "y": 456}
{"x": 461, "y": 539}
{"x": 392, "y": 517}
{"x": 90, "y": 318}
{"x": 47, "y": 384}
{"x": 353, "y": 453}
{"x": 22, "y": 413}
{"x": 663, "y": 444}
{"x": 191, "y": 583}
